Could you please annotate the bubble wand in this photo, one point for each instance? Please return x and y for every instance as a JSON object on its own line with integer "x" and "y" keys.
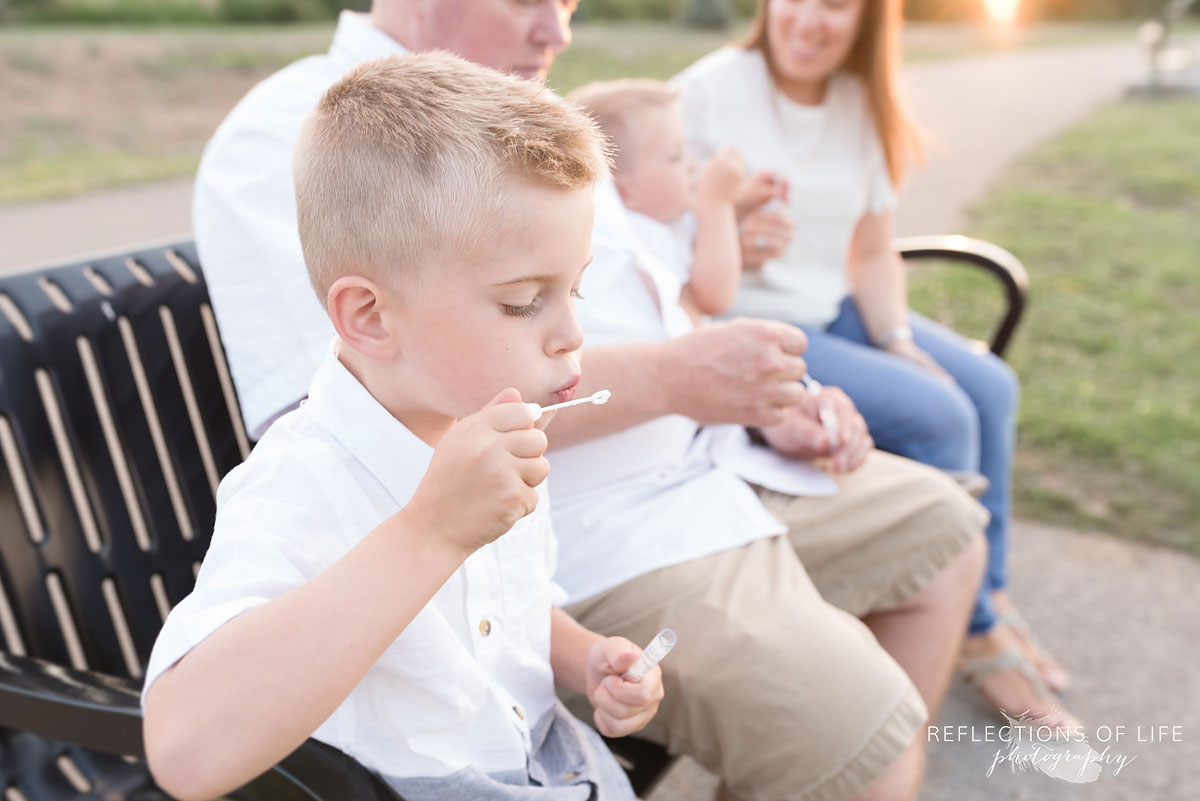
{"x": 598, "y": 398}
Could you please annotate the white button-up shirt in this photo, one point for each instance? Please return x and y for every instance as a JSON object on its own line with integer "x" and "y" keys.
{"x": 666, "y": 491}
{"x": 830, "y": 155}
{"x": 469, "y": 676}
{"x": 244, "y": 218}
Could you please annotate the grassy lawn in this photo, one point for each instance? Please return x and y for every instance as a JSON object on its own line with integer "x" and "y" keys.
{"x": 83, "y": 109}
{"x": 1105, "y": 218}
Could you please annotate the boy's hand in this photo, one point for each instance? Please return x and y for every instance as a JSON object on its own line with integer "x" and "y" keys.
{"x": 721, "y": 177}
{"x": 482, "y": 476}
{"x": 758, "y": 190}
{"x": 622, "y": 707}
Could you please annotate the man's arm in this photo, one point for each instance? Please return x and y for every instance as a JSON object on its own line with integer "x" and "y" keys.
{"x": 740, "y": 371}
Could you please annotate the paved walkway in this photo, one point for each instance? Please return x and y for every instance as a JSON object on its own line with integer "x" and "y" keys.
{"x": 1121, "y": 616}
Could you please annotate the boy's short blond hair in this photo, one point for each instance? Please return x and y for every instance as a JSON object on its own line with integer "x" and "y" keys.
{"x": 410, "y": 160}
{"x": 619, "y": 108}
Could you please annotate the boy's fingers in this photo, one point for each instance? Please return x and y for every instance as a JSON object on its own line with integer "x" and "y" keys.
{"x": 508, "y": 395}
{"x": 509, "y": 416}
{"x": 615, "y": 709}
{"x": 533, "y": 471}
{"x": 635, "y": 694}
{"x": 526, "y": 443}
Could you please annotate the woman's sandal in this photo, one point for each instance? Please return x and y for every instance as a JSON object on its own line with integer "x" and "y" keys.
{"x": 977, "y": 670}
{"x": 1014, "y": 620}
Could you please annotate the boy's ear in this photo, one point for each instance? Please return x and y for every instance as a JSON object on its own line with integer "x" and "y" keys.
{"x": 359, "y": 309}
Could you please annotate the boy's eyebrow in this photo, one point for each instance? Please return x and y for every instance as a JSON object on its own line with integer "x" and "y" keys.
{"x": 540, "y": 278}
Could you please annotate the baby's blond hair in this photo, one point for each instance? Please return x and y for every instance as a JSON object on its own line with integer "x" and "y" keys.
{"x": 409, "y": 160}
{"x": 619, "y": 107}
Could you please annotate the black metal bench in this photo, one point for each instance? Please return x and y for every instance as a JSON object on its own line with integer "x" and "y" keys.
{"x": 117, "y": 420}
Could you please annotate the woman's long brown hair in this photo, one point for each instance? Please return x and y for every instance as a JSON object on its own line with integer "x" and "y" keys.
{"x": 874, "y": 58}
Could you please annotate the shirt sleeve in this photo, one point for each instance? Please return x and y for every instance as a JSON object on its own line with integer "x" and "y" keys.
{"x": 262, "y": 547}
{"x": 881, "y": 195}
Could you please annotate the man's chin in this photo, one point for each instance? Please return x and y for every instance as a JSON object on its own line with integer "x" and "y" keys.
{"x": 531, "y": 73}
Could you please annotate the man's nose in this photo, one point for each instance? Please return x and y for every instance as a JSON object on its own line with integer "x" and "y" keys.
{"x": 552, "y": 26}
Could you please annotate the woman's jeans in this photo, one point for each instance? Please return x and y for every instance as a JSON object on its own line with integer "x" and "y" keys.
{"x": 970, "y": 425}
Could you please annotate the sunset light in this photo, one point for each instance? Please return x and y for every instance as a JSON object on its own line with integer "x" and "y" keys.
{"x": 1003, "y": 12}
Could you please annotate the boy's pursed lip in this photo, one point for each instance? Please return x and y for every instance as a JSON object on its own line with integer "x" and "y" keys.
{"x": 567, "y": 391}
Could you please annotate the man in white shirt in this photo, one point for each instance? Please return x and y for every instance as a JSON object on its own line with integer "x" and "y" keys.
{"x": 788, "y": 697}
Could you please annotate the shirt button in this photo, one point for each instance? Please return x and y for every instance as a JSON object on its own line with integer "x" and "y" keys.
{"x": 485, "y": 627}
{"x": 519, "y": 713}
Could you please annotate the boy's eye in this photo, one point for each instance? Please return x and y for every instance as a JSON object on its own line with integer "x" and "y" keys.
{"x": 520, "y": 311}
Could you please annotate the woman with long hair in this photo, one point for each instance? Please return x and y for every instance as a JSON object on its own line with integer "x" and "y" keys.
{"x": 810, "y": 99}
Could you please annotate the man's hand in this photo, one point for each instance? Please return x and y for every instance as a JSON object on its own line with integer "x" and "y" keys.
{"x": 622, "y": 707}
{"x": 482, "y": 476}
{"x": 802, "y": 435}
{"x": 741, "y": 371}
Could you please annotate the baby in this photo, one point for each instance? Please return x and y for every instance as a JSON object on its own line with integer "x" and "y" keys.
{"x": 686, "y": 221}
{"x": 379, "y": 574}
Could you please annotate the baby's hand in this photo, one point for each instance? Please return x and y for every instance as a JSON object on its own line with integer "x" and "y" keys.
{"x": 622, "y": 707}
{"x": 482, "y": 476}
{"x": 721, "y": 176}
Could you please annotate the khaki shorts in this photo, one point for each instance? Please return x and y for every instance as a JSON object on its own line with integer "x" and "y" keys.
{"x": 780, "y": 691}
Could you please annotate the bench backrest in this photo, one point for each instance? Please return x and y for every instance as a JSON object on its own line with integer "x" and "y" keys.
{"x": 117, "y": 420}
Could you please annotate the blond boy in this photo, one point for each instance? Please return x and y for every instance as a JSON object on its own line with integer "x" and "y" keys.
{"x": 379, "y": 575}
{"x": 687, "y": 221}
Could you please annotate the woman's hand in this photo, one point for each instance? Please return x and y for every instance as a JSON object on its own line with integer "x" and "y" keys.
{"x": 905, "y": 349}
{"x": 765, "y": 235}
{"x": 758, "y": 190}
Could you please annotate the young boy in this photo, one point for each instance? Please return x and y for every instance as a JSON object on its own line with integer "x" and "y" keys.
{"x": 686, "y": 221}
{"x": 379, "y": 575}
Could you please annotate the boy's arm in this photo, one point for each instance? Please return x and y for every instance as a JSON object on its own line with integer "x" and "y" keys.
{"x": 256, "y": 688}
{"x": 717, "y": 257}
{"x": 588, "y": 663}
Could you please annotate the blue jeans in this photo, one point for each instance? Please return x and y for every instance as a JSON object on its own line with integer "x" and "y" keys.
{"x": 967, "y": 426}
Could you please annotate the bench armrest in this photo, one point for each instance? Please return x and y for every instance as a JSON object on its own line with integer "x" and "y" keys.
{"x": 104, "y": 713}
{"x": 1000, "y": 263}
{"x": 88, "y": 709}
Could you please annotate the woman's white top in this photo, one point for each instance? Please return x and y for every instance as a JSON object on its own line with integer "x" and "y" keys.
{"x": 830, "y": 155}
{"x": 469, "y": 676}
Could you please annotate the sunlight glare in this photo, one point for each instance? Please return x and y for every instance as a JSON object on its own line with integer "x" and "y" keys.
{"x": 1003, "y": 12}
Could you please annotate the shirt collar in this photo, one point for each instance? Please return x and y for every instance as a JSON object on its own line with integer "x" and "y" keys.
{"x": 391, "y": 453}
{"x": 357, "y": 40}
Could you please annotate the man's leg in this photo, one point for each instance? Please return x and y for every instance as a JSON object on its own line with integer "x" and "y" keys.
{"x": 783, "y": 696}
{"x": 899, "y": 546}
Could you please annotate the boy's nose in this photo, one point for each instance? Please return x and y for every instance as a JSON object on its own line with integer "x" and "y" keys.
{"x": 568, "y": 336}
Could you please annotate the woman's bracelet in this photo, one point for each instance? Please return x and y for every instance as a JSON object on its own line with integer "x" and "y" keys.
{"x": 901, "y": 333}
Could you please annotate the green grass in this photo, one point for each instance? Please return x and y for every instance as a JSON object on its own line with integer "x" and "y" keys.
{"x": 1105, "y": 219}
{"x": 79, "y": 172}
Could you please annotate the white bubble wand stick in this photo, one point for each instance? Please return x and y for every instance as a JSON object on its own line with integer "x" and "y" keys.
{"x": 652, "y": 654}
{"x": 599, "y": 398}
